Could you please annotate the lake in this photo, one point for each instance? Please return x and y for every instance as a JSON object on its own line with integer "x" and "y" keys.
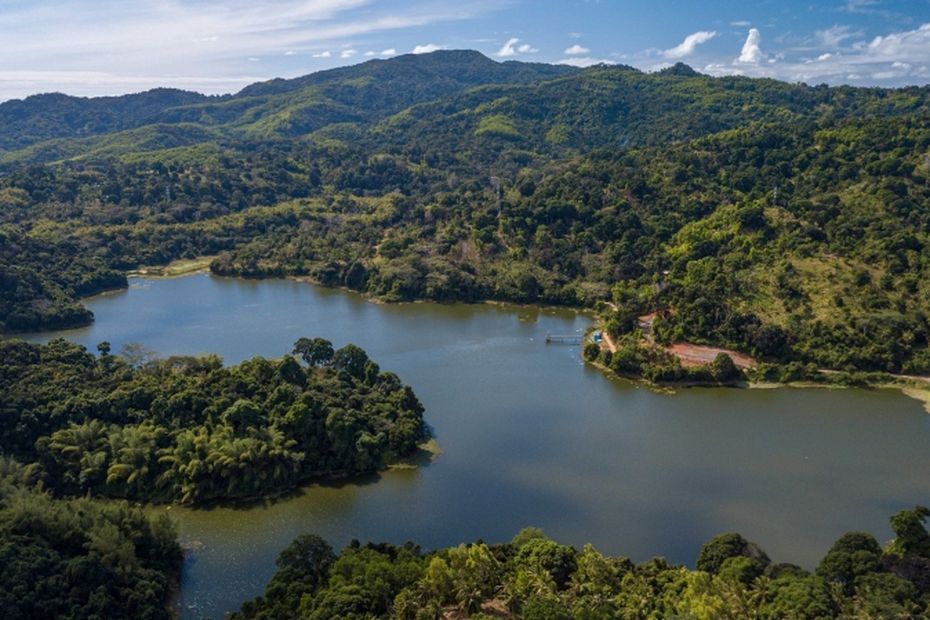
{"x": 530, "y": 436}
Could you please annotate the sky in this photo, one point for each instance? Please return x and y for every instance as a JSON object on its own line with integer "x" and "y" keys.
{"x": 106, "y": 47}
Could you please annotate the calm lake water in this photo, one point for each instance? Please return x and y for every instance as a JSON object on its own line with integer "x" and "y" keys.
{"x": 530, "y": 436}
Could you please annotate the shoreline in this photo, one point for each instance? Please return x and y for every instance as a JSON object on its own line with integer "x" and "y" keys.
{"x": 426, "y": 453}
{"x": 174, "y": 269}
{"x": 913, "y": 389}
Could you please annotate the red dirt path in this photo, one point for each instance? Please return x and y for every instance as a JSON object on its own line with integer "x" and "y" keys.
{"x": 692, "y": 355}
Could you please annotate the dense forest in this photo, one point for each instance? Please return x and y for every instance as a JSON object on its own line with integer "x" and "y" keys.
{"x": 81, "y": 558}
{"x": 192, "y": 430}
{"x": 786, "y": 221}
{"x": 536, "y": 578}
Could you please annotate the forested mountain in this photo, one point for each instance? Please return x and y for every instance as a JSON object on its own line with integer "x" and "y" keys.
{"x": 45, "y": 117}
{"x": 784, "y": 220}
{"x": 282, "y": 108}
{"x": 535, "y": 577}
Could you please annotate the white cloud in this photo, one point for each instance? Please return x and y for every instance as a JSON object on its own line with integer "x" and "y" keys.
{"x": 741, "y": 24}
{"x": 177, "y": 38}
{"x": 751, "y": 53}
{"x": 859, "y": 6}
{"x": 909, "y": 45}
{"x": 383, "y": 53}
{"x": 577, "y": 50}
{"x": 687, "y": 47}
{"x": 585, "y": 61}
{"x": 427, "y": 48}
{"x": 510, "y": 48}
{"x": 290, "y": 53}
{"x": 325, "y": 54}
{"x": 894, "y": 59}
{"x": 834, "y": 37}
{"x": 348, "y": 53}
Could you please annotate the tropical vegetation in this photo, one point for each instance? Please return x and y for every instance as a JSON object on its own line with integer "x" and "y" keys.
{"x": 534, "y": 577}
{"x": 191, "y": 430}
{"x": 786, "y": 221}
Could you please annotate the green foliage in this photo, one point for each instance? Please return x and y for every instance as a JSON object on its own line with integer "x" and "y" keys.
{"x": 534, "y": 577}
{"x": 853, "y": 555}
{"x": 721, "y": 548}
{"x": 81, "y": 558}
{"x": 911, "y": 537}
{"x": 191, "y": 430}
{"x": 658, "y": 189}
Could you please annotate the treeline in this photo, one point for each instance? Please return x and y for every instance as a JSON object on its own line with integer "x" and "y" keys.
{"x": 81, "y": 558}
{"x": 534, "y": 577}
{"x": 191, "y": 430}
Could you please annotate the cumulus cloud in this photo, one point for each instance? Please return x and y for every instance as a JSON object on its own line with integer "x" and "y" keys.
{"x": 687, "y": 47}
{"x": 325, "y": 54}
{"x": 577, "y": 50}
{"x": 427, "y": 48}
{"x": 510, "y": 48}
{"x": 751, "y": 54}
{"x": 835, "y": 56}
{"x": 348, "y": 53}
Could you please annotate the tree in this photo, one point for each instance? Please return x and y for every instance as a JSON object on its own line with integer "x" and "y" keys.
{"x": 725, "y": 546}
{"x": 315, "y": 352}
{"x": 303, "y": 567}
{"x": 855, "y": 554}
{"x": 722, "y": 369}
{"x": 137, "y": 354}
{"x": 911, "y": 535}
{"x": 351, "y": 359}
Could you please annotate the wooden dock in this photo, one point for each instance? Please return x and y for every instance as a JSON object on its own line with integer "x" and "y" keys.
{"x": 563, "y": 339}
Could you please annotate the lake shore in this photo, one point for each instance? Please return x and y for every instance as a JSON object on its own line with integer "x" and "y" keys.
{"x": 174, "y": 269}
{"x": 912, "y": 388}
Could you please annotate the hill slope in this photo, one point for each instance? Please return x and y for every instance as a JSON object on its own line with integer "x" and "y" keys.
{"x": 787, "y": 221}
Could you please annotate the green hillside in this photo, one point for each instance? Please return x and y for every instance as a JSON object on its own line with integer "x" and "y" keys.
{"x": 786, "y": 221}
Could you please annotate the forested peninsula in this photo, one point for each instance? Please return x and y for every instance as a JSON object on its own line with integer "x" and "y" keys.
{"x": 785, "y": 221}
{"x": 534, "y": 577}
{"x": 193, "y": 431}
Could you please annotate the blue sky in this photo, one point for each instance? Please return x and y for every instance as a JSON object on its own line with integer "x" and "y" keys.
{"x": 95, "y": 47}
